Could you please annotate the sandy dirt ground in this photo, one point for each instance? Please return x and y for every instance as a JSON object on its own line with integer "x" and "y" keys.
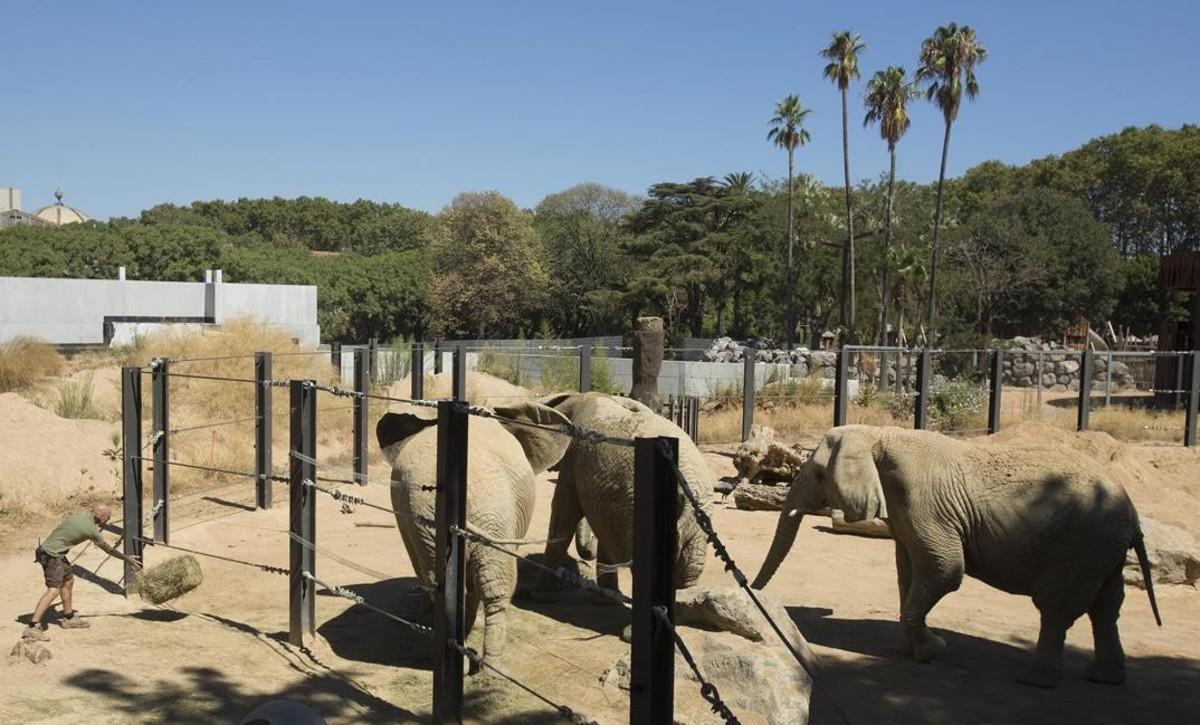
{"x": 218, "y": 652}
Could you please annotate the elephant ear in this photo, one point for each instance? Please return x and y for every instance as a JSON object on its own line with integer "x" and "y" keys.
{"x": 557, "y": 401}
{"x": 393, "y": 428}
{"x": 852, "y": 472}
{"x": 543, "y": 448}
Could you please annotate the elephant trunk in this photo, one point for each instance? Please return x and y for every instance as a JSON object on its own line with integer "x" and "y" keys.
{"x": 785, "y": 536}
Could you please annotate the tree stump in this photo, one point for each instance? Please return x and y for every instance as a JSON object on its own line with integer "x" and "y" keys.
{"x": 647, "y": 361}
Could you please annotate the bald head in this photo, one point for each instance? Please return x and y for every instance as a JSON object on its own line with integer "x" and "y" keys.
{"x": 101, "y": 513}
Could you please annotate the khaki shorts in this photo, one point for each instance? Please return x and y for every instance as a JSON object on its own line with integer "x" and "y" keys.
{"x": 56, "y": 568}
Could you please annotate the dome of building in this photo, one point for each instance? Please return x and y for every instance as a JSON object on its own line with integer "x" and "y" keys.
{"x": 59, "y": 213}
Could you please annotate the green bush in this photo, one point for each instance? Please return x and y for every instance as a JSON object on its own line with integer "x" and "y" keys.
{"x": 956, "y": 404}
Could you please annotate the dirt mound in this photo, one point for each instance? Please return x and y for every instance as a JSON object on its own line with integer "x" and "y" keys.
{"x": 48, "y": 463}
{"x": 1031, "y": 434}
{"x": 482, "y": 388}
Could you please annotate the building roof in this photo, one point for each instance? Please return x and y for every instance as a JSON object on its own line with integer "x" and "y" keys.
{"x": 59, "y": 213}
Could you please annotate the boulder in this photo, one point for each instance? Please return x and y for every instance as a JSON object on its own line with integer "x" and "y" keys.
{"x": 738, "y": 653}
{"x": 1174, "y": 557}
{"x": 1066, "y": 367}
{"x": 32, "y": 651}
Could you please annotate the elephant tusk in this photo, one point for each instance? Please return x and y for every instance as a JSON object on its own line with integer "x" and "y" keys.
{"x": 793, "y": 513}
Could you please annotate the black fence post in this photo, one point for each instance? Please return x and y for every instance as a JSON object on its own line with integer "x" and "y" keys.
{"x": 747, "y": 393}
{"x": 652, "y": 655}
{"x": 302, "y": 520}
{"x": 997, "y": 388}
{"x": 924, "y": 373}
{"x": 1189, "y": 435}
{"x": 362, "y": 386}
{"x": 585, "y": 368}
{"x": 416, "y": 370}
{"x": 264, "y": 487}
{"x": 695, "y": 416}
{"x": 437, "y": 357}
{"x": 1085, "y": 390}
{"x": 373, "y": 357}
{"x": 450, "y": 563}
{"x": 335, "y": 358}
{"x": 841, "y": 390}
{"x": 131, "y": 452}
{"x": 161, "y": 426}
{"x": 459, "y": 378}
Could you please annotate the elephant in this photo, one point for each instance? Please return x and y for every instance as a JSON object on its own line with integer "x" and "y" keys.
{"x": 1036, "y": 522}
{"x": 502, "y": 460}
{"x": 594, "y": 496}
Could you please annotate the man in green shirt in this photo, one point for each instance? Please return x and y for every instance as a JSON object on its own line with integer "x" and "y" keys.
{"x": 52, "y": 555}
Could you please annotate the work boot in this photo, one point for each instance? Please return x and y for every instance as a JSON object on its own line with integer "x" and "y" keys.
{"x": 36, "y": 634}
{"x": 73, "y": 622}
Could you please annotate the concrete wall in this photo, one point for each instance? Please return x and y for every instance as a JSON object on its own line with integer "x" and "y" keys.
{"x": 74, "y": 311}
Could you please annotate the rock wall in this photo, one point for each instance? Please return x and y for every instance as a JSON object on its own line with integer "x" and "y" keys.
{"x": 1026, "y": 359}
{"x": 804, "y": 362}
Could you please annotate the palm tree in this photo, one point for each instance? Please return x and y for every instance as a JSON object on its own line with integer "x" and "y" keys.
{"x": 888, "y": 93}
{"x": 842, "y": 53}
{"x": 788, "y": 132}
{"x": 948, "y": 59}
{"x": 910, "y": 274}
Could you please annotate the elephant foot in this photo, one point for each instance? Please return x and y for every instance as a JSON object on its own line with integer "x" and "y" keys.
{"x": 1106, "y": 675}
{"x": 904, "y": 647}
{"x": 928, "y": 647}
{"x": 1044, "y": 677}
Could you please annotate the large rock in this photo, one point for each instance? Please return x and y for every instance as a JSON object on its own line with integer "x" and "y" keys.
{"x": 1174, "y": 557}
{"x": 740, "y": 654}
{"x": 758, "y": 497}
{"x": 32, "y": 651}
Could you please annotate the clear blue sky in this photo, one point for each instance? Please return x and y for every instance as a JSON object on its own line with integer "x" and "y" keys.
{"x": 134, "y": 103}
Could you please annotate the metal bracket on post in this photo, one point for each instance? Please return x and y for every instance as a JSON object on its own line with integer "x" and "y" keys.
{"x": 459, "y": 373}
{"x": 1193, "y": 398}
{"x": 450, "y": 563}
{"x": 996, "y": 383}
{"x": 585, "y": 368}
{"x": 1085, "y": 390}
{"x": 747, "y": 394}
{"x": 302, "y": 520}
{"x": 362, "y": 385}
{"x": 161, "y": 426}
{"x": 264, "y": 487}
{"x": 924, "y": 375}
{"x": 416, "y": 370}
{"x": 131, "y": 453}
{"x": 841, "y": 390}
{"x": 655, "y": 510}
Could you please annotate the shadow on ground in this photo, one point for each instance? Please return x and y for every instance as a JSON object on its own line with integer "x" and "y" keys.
{"x": 974, "y": 683}
{"x": 566, "y": 603}
{"x": 363, "y": 635}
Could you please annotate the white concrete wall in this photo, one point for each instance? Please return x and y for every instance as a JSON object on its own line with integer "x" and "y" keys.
{"x": 72, "y": 311}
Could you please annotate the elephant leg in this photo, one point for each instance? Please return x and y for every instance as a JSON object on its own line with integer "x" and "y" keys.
{"x": 1047, "y": 660}
{"x": 1108, "y": 663}
{"x": 495, "y": 630}
{"x": 565, "y": 517}
{"x": 607, "y": 578}
{"x": 470, "y": 612}
{"x": 903, "y": 580}
{"x": 934, "y": 574}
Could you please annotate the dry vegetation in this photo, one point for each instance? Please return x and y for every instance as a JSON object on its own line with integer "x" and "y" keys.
{"x": 25, "y": 361}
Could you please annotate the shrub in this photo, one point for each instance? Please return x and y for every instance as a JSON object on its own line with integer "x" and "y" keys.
{"x": 956, "y": 404}
{"x": 395, "y": 360}
{"x": 503, "y": 365}
{"x": 75, "y": 399}
{"x": 23, "y": 360}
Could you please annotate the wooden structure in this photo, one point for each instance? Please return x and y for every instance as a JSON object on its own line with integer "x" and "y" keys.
{"x": 1179, "y": 272}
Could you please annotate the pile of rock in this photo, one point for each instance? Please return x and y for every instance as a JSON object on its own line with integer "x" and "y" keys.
{"x": 804, "y": 362}
{"x": 1026, "y": 359}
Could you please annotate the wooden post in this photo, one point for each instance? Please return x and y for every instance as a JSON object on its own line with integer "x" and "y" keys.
{"x": 264, "y": 487}
{"x": 747, "y": 393}
{"x": 161, "y": 432}
{"x": 450, "y": 563}
{"x": 655, "y": 510}
{"x": 302, "y": 520}
{"x": 997, "y": 388}
{"x": 131, "y": 453}
{"x": 362, "y": 385}
{"x": 924, "y": 373}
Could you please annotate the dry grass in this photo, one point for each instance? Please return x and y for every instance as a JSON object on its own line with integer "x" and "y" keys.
{"x": 75, "y": 399}
{"x": 24, "y": 361}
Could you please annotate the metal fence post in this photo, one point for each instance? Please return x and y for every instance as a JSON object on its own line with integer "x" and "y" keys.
{"x": 264, "y": 487}
{"x": 302, "y": 520}
{"x": 362, "y": 385}
{"x": 437, "y": 357}
{"x": 695, "y": 412}
{"x": 747, "y": 394}
{"x": 1108, "y": 379}
{"x": 459, "y": 373}
{"x": 373, "y": 358}
{"x": 1085, "y": 390}
{"x": 131, "y": 453}
{"x": 1040, "y": 374}
{"x": 1178, "y": 393}
{"x": 161, "y": 425}
{"x": 335, "y": 357}
{"x": 1189, "y": 435}
{"x": 652, "y": 654}
{"x": 450, "y": 563}
{"x": 921, "y": 405}
{"x": 585, "y": 368}
{"x": 416, "y": 370}
{"x": 841, "y": 387}
{"x": 997, "y": 389}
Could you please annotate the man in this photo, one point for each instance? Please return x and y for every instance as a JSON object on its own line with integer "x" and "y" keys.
{"x": 52, "y": 555}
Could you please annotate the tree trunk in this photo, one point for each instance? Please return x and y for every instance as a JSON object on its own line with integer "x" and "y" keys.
{"x": 849, "y": 307}
{"x": 790, "y": 324}
{"x": 931, "y": 335}
{"x": 887, "y": 236}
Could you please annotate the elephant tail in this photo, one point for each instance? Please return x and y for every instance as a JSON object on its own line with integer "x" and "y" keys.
{"x": 1139, "y": 547}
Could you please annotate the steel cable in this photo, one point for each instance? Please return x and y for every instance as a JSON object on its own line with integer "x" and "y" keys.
{"x": 357, "y": 598}
{"x": 264, "y": 567}
{"x": 565, "y": 712}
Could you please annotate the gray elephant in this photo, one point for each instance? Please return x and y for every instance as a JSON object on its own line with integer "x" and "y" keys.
{"x": 1027, "y": 521}
{"x": 594, "y": 495}
{"x": 502, "y": 460}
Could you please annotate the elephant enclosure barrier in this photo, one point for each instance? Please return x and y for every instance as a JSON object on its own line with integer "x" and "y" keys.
{"x": 659, "y": 491}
